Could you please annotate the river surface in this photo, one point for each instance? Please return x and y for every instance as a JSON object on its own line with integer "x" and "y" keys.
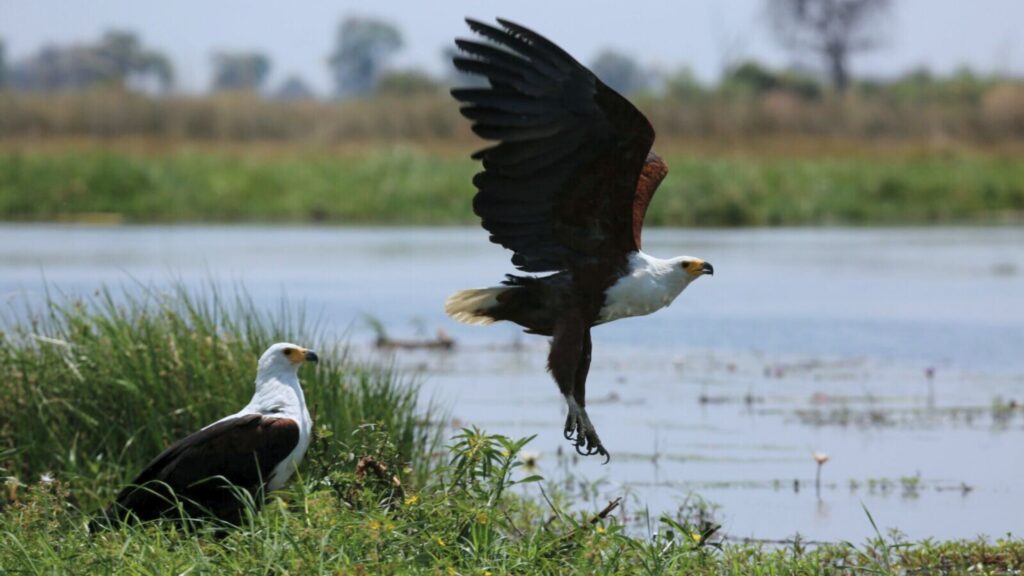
{"x": 899, "y": 353}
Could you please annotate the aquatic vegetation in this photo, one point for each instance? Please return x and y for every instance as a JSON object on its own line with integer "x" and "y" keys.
{"x": 999, "y": 416}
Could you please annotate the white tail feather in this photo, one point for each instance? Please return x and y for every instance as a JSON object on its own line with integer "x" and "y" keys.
{"x": 471, "y": 306}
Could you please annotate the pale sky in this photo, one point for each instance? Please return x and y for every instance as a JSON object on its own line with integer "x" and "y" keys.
{"x": 702, "y": 34}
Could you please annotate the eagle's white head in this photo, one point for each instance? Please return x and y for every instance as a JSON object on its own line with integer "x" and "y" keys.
{"x": 672, "y": 275}
{"x": 691, "y": 268}
{"x": 283, "y": 358}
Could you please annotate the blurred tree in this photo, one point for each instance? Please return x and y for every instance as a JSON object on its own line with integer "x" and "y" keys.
{"x": 294, "y": 89}
{"x": 834, "y": 29}
{"x": 620, "y": 71}
{"x": 683, "y": 85}
{"x": 363, "y": 46}
{"x": 920, "y": 86}
{"x": 406, "y": 83}
{"x": 159, "y": 67}
{"x": 801, "y": 84}
{"x": 119, "y": 59}
{"x": 752, "y": 78}
{"x": 239, "y": 71}
{"x": 966, "y": 86}
{"x": 128, "y": 60}
{"x": 3, "y": 63}
{"x": 121, "y": 52}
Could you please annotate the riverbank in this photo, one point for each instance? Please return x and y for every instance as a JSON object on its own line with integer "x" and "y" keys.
{"x": 94, "y": 387}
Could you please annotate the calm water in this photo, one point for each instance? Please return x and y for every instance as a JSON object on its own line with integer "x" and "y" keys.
{"x": 804, "y": 340}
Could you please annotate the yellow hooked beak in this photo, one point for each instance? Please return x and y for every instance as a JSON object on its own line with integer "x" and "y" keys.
{"x": 300, "y": 355}
{"x": 699, "y": 267}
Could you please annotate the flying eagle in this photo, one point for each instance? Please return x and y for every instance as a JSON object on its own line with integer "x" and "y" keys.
{"x": 256, "y": 449}
{"x": 566, "y": 190}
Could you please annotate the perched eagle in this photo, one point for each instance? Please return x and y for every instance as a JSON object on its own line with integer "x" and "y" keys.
{"x": 566, "y": 189}
{"x": 256, "y": 449}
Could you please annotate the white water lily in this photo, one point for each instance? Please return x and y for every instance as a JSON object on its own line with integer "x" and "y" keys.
{"x": 821, "y": 458}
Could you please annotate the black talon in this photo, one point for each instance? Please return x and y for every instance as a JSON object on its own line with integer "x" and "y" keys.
{"x": 580, "y": 432}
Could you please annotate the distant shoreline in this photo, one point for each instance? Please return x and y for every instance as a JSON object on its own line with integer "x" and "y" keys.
{"x": 791, "y": 183}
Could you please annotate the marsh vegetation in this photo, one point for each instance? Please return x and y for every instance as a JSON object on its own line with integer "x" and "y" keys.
{"x": 377, "y": 493}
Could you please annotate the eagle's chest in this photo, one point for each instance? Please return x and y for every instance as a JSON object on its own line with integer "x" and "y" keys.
{"x": 284, "y": 470}
{"x": 637, "y": 294}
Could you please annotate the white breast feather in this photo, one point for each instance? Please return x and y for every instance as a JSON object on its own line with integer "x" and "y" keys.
{"x": 651, "y": 285}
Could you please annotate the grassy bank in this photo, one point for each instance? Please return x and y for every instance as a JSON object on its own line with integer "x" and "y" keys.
{"x": 468, "y": 517}
{"x": 431, "y": 185}
{"x": 92, "y": 389}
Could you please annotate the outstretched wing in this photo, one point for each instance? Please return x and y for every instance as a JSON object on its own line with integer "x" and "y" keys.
{"x": 242, "y": 450}
{"x": 563, "y": 183}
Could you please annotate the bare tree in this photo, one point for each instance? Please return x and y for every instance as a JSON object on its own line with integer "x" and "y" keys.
{"x": 834, "y": 29}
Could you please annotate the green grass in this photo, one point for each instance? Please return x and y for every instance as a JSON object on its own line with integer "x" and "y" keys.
{"x": 92, "y": 389}
{"x": 414, "y": 185}
{"x": 395, "y": 185}
{"x": 468, "y": 517}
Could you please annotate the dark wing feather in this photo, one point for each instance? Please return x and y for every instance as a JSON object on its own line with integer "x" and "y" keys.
{"x": 243, "y": 451}
{"x": 563, "y": 183}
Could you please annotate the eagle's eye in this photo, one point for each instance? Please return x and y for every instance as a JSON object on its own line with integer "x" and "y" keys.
{"x": 686, "y": 265}
{"x": 288, "y": 351}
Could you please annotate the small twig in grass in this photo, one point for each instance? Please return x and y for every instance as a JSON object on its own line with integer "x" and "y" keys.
{"x": 512, "y": 524}
{"x": 566, "y": 539}
{"x": 612, "y": 505}
{"x": 551, "y": 504}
